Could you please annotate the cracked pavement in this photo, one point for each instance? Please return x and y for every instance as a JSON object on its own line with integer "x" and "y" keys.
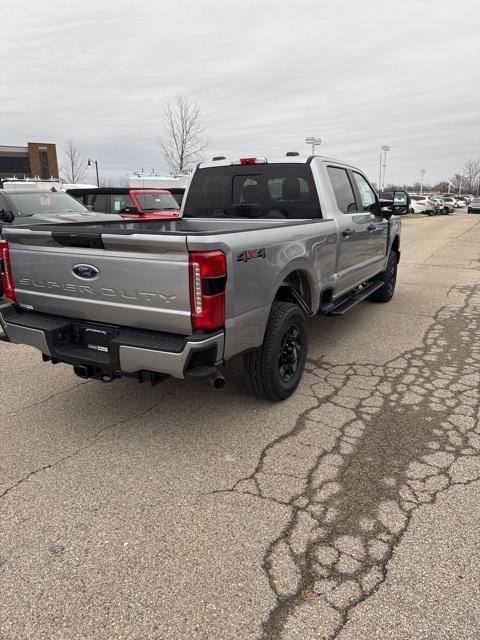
{"x": 350, "y": 510}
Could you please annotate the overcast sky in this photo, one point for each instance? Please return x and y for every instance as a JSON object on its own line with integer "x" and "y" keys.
{"x": 265, "y": 73}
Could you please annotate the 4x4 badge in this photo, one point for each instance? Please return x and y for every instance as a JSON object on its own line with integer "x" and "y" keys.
{"x": 250, "y": 254}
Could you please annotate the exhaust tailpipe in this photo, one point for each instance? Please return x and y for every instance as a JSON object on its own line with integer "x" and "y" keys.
{"x": 218, "y": 382}
{"x": 82, "y": 371}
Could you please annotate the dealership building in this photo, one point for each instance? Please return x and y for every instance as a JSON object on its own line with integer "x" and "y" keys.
{"x": 36, "y": 160}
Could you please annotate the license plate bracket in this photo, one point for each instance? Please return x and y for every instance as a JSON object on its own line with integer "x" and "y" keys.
{"x": 96, "y": 338}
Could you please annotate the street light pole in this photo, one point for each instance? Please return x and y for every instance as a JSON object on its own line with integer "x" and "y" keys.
{"x": 95, "y": 162}
{"x": 314, "y": 142}
{"x": 385, "y": 148}
{"x": 380, "y": 175}
{"x": 422, "y": 171}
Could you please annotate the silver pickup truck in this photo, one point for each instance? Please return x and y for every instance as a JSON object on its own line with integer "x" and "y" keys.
{"x": 261, "y": 245}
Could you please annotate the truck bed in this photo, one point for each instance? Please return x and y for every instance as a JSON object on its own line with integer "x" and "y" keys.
{"x": 179, "y": 226}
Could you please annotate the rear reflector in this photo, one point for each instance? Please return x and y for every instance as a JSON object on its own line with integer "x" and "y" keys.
{"x": 208, "y": 276}
{"x": 250, "y": 161}
{"x": 6, "y": 271}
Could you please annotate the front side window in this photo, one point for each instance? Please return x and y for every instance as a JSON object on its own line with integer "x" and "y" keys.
{"x": 343, "y": 189}
{"x": 367, "y": 196}
{"x": 150, "y": 201}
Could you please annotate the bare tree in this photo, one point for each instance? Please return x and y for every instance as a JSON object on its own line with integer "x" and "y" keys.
{"x": 457, "y": 181}
{"x": 74, "y": 167}
{"x": 471, "y": 171}
{"x": 182, "y": 140}
{"x": 440, "y": 187}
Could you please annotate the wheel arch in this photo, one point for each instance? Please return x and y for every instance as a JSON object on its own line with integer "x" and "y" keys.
{"x": 297, "y": 287}
{"x": 395, "y": 246}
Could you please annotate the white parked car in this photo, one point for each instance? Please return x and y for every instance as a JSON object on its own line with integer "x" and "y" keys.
{"x": 419, "y": 204}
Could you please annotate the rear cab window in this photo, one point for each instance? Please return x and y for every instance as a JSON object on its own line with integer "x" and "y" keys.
{"x": 279, "y": 190}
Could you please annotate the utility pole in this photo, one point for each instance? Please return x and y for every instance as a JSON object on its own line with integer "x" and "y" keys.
{"x": 314, "y": 142}
{"x": 95, "y": 162}
{"x": 385, "y": 148}
{"x": 422, "y": 171}
{"x": 380, "y": 175}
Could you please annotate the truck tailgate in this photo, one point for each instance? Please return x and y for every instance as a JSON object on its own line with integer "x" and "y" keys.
{"x": 137, "y": 280}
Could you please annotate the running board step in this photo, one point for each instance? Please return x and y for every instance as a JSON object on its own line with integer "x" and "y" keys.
{"x": 201, "y": 372}
{"x": 352, "y": 301}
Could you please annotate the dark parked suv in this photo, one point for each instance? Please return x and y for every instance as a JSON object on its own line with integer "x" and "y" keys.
{"x": 42, "y": 205}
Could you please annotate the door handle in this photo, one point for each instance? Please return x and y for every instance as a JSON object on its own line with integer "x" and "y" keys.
{"x": 347, "y": 232}
{"x": 372, "y": 227}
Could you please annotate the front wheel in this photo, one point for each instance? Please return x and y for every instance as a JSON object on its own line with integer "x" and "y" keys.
{"x": 274, "y": 370}
{"x": 446, "y": 211}
{"x": 389, "y": 278}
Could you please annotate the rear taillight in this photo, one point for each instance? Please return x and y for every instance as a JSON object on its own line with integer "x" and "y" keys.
{"x": 6, "y": 271}
{"x": 208, "y": 276}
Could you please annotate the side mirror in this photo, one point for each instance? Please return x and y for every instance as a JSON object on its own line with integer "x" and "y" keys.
{"x": 401, "y": 202}
{"x": 6, "y": 216}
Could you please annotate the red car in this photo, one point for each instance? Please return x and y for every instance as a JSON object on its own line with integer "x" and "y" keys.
{"x": 129, "y": 203}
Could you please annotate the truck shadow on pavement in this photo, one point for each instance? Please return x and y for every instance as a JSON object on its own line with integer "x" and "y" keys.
{"x": 380, "y": 442}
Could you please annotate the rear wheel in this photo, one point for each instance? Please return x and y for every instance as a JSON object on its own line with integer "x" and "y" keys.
{"x": 389, "y": 277}
{"x": 446, "y": 210}
{"x": 274, "y": 370}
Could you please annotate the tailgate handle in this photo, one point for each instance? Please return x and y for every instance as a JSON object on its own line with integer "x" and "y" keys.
{"x": 88, "y": 240}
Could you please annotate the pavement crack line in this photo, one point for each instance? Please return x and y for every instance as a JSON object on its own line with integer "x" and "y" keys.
{"x": 90, "y": 442}
{"x": 45, "y": 400}
{"x": 381, "y": 441}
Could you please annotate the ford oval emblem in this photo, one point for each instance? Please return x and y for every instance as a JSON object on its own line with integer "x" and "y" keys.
{"x": 85, "y": 271}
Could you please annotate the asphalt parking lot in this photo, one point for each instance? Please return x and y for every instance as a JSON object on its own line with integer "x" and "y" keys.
{"x": 349, "y": 511}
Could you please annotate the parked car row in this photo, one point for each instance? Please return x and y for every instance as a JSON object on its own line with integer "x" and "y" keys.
{"x": 434, "y": 204}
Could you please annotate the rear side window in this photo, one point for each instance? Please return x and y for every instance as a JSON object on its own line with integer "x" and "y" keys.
{"x": 253, "y": 191}
{"x": 97, "y": 202}
{"x": 122, "y": 202}
{"x": 343, "y": 190}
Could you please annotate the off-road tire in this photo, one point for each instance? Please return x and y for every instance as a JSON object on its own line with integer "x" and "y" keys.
{"x": 262, "y": 367}
{"x": 389, "y": 277}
